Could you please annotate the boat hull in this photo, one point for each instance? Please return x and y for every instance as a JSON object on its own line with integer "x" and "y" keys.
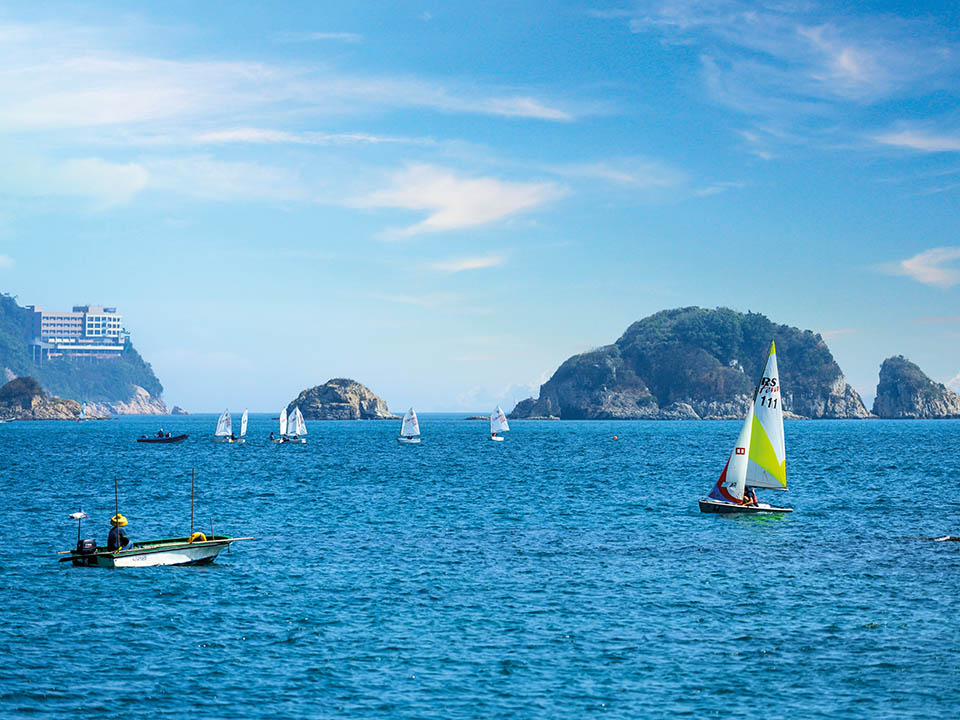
{"x": 163, "y": 441}
{"x": 290, "y": 441}
{"x": 497, "y": 438}
{"x": 154, "y": 553}
{"x": 408, "y": 441}
{"x": 726, "y": 508}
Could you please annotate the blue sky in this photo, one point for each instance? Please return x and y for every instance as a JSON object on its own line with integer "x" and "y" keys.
{"x": 446, "y": 200}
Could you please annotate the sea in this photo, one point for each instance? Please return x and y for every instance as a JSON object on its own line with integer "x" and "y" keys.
{"x": 564, "y": 573}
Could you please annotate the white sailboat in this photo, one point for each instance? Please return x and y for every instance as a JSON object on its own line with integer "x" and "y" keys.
{"x": 296, "y": 428}
{"x": 282, "y": 437}
{"x": 498, "y": 424}
{"x": 243, "y": 427}
{"x": 758, "y": 460}
{"x": 409, "y": 429}
{"x": 83, "y": 413}
{"x": 224, "y": 430}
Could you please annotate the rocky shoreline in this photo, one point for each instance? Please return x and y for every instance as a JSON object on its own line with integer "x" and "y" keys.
{"x": 341, "y": 399}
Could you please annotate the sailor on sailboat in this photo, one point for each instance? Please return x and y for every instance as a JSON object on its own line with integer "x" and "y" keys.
{"x": 498, "y": 424}
{"x": 759, "y": 459}
{"x": 409, "y": 429}
{"x": 224, "y": 429}
{"x": 296, "y": 428}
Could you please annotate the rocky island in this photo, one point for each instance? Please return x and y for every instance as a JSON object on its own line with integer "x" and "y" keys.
{"x": 24, "y": 399}
{"x": 341, "y": 399}
{"x": 694, "y": 363}
{"x": 904, "y": 391}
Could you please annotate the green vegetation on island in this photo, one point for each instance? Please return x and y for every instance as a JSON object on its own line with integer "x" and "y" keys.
{"x": 904, "y": 391}
{"x": 690, "y": 363}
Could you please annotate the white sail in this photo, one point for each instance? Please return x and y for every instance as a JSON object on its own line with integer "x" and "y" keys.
{"x": 297, "y": 426}
{"x": 243, "y": 424}
{"x": 498, "y": 421}
{"x": 224, "y": 425}
{"x": 733, "y": 479}
{"x": 767, "y": 467}
{"x": 83, "y": 411}
{"x": 410, "y": 427}
{"x": 283, "y": 422}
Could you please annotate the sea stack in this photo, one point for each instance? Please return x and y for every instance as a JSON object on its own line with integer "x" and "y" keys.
{"x": 904, "y": 391}
{"x": 341, "y": 399}
{"x": 693, "y": 363}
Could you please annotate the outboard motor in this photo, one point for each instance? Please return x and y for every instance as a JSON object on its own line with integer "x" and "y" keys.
{"x": 87, "y": 546}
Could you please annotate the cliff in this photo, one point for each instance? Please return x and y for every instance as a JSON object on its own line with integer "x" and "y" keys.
{"x": 24, "y": 399}
{"x": 692, "y": 363}
{"x": 341, "y": 399}
{"x": 904, "y": 391}
{"x": 113, "y": 385}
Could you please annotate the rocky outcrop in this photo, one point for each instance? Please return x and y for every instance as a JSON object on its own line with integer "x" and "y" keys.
{"x": 692, "y": 363}
{"x": 904, "y": 391}
{"x": 140, "y": 403}
{"x": 177, "y": 410}
{"x": 24, "y": 399}
{"x": 341, "y": 399}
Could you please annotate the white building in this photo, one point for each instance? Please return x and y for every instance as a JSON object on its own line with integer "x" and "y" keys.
{"x": 89, "y": 331}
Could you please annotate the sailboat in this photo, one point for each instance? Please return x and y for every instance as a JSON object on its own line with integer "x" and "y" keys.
{"x": 83, "y": 413}
{"x": 498, "y": 424}
{"x": 758, "y": 460}
{"x": 409, "y": 429}
{"x": 296, "y": 428}
{"x": 282, "y": 437}
{"x": 224, "y": 431}
{"x": 243, "y": 428}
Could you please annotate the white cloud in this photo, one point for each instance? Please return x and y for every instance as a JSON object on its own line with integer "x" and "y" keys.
{"x": 928, "y": 267}
{"x": 427, "y": 300}
{"x": 210, "y": 179}
{"x": 95, "y": 179}
{"x": 918, "y": 140}
{"x": 834, "y": 333}
{"x": 61, "y": 78}
{"x": 456, "y": 265}
{"x": 268, "y": 136}
{"x": 638, "y": 172}
{"x": 455, "y": 202}
{"x": 6, "y": 262}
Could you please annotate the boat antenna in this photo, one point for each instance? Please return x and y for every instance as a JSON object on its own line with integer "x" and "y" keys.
{"x": 116, "y": 505}
{"x": 193, "y": 482}
{"x": 79, "y": 523}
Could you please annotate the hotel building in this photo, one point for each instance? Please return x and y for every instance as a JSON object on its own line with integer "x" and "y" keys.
{"x": 90, "y": 331}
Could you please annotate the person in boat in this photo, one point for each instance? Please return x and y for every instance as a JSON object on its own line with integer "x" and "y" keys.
{"x": 160, "y": 434}
{"x": 233, "y": 438}
{"x": 271, "y": 436}
{"x": 117, "y": 539}
{"x": 750, "y": 497}
{"x": 493, "y": 434}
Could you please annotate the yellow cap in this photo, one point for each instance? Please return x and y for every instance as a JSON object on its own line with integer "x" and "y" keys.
{"x": 118, "y": 520}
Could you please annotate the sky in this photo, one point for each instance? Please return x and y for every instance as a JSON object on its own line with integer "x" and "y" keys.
{"x": 445, "y": 200}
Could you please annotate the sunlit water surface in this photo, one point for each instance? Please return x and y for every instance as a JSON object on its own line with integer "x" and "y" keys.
{"x": 560, "y": 574}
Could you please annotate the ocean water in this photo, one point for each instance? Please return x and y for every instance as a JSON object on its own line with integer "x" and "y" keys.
{"x": 560, "y": 574}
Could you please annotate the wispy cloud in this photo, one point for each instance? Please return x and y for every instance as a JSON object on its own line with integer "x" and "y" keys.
{"x": 427, "y": 300}
{"x": 103, "y": 182}
{"x": 54, "y": 77}
{"x": 6, "y": 262}
{"x": 920, "y": 140}
{"x": 454, "y": 201}
{"x": 269, "y": 136}
{"x": 928, "y": 267}
{"x": 834, "y": 333}
{"x": 455, "y": 265}
{"x": 207, "y": 178}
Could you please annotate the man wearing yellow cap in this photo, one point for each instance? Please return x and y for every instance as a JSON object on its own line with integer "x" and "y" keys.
{"x": 117, "y": 539}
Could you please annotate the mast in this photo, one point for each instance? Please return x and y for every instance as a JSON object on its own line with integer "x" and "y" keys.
{"x": 193, "y": 483}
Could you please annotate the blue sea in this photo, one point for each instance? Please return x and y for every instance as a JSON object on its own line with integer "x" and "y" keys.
{"x": 561, "y": 574}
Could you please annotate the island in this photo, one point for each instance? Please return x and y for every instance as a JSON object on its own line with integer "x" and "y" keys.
{"x": 694, "y": 363}
{"x": 341, "y": 399}
{"x": 905, "y": 392}
{"x": 24, "y": 399}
